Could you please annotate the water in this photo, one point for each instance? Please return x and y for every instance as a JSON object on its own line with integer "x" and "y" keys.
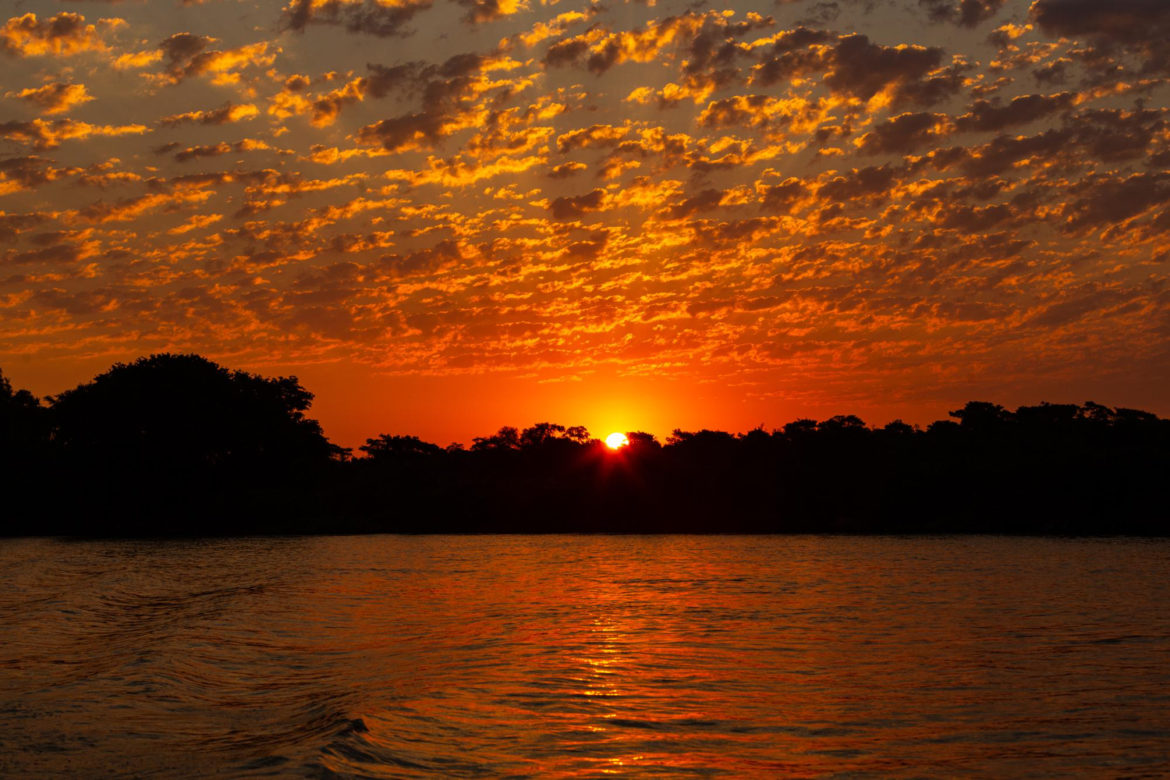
{"x": 585, "y": 657}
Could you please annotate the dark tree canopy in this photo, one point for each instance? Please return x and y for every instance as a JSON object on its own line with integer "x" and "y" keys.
{"x": 387, "y": 447}
{"x": 185, "y": 412}
{"x": 24, "y": 424}
{"x": 507, "y": 438}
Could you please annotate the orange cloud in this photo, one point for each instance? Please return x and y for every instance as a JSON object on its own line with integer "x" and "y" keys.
{"x": 188, "y": 55}
{"x": 225, "y": 114}
{"x": 48, "y": 134}
{"x": 64, "y": 34}
{"x": 26, "y": 173}
{"x": 55, "y": 98}
{"x": 216, "y": 150}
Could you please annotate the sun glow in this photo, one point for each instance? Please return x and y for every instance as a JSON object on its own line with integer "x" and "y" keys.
{"x": 615, "y": 441}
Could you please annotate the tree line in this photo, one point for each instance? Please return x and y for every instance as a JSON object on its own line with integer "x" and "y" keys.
{"x": 178, "y": 445}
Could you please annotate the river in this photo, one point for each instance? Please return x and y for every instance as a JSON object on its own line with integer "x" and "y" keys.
{"x": 585, "y": 656}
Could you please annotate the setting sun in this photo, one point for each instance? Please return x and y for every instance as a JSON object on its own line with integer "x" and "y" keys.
{"x": 615, "y": 441}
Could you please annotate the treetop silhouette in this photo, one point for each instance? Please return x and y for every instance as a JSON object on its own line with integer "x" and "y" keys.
{"x": 184, "y": 411}
{"x": 175, "y": 443}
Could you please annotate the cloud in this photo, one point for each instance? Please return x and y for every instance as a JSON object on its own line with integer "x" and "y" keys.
{"x": 225, "y": 114}
{"x": 215, "y": 150}
{"x": 544, "y": 30}
{"x": 170, "y": 195}
{"x": 984, "y": 116}
{"x": 595, "y": 136}
{"x": 489, "y": 10}
{"x": 854, "y": 66}
{"x": 108, "y": 173}
{"x": 573, "y": 207}
{"x": 904, "y": 133}
{"x": 1127, "y": 21}
{"x": 707, "y": 200}
{"x": 776, "y": 115}
{"x": 967, "y": 13}
{"x": 54, "y": 98}
{"x": 1075, "y": 305}
{"x": 61, "y": 254}
{"x": 188, "y": 55}
{"x": 449, "y": 100}
{"x": 197, "y": 222}
{"x": 667, "y": 96}
{"x": 138, "y": 59}
{"x": 26, "y": 173}
{"x": 860, "y": 184}
{"x": 1108, "y": 135}
{"x": 565, "y": 170}
{"x": 706, "y": 42}
{"x": 379, "y": 82}
{"x": 1117, "y": 28}
{"x": 782, "y": 198}
{"x": 381, "y": 18}
{"x": 863, "y": 69}
{"x": 48, "y": 134}
{"x": 63, "y": 35}
{"x": 327, "y": 107}
{"x": 1109, "y": 201}
{"x": 790, "y": 54}
{"x": 12, "y": 225}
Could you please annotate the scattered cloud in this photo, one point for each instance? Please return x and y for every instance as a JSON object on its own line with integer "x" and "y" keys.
{"x": 62, "y": 35}
{"x": 225, "y": 114}
{"x": 54, "y": 98}
{"x": 44, "y": 134}
{"x": 810, "y": 201}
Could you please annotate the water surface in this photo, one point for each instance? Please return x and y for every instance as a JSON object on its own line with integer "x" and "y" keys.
{"x": 570, "y": 656}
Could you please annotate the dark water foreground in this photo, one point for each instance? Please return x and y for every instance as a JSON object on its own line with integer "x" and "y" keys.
{"x": 564, "y": 656}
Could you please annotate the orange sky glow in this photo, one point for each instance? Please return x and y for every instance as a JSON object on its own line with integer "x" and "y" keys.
{"x": 445, "y": 216}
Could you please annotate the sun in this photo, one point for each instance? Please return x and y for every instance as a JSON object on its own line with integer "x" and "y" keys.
{"x": 615, "y": 441}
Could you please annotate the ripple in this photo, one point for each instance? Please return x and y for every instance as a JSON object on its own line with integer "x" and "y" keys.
{"x": 584, "y": 656}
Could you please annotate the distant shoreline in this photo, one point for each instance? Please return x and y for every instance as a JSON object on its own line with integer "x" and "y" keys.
{"x": 177, "y": 446}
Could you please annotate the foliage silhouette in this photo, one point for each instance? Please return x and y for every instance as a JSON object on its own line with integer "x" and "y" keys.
{"x": 24, "y": 451}
{"x": 167, "y": 412}
{"x": 24, "y": 424}
{"x": 172, "y": 443}
{"x": 175, "y": 444}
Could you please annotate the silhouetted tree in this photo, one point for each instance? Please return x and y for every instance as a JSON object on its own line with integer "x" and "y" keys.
{"x": 1096, "y": 413}
{"x": 387, "y": 447}
{"x": 841, "y": 422}
{"x": 577, "y": 433}
{"x": 183, "y": 411}
{"x": 982, "y": 416}
{"x": 540, "y": 434}
{"x": 802, "y": 427}
{"x": 24, "y": 427}
{"x": 642, "y": 442}
{"x": 1047, "y": 414}
{"x": 177, "y": 443}
{"x": 898, "y": 428}
{"x": 507, "y": 438}
{"x": 25, "y": 467}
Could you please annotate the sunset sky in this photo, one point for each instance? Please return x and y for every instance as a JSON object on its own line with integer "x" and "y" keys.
{"x": 445, "y": 216}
